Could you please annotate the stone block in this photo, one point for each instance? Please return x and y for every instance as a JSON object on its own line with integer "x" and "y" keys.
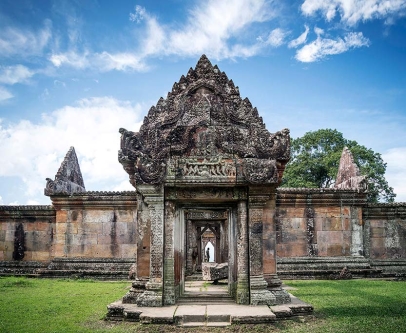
{"x": 76, "y": 215}
{"x": 377, "y": 243}
{"x": 333, "y": 211}
{"x": 335, "y": 250}
{"x": 61, "y": 216}
{"x": 28, "y": 255}
{"x": 297, "y": 249}
{"x": 84, "y": 239}
{"x": 346, "y": 223}
{"x": 10, "y": 236}
{"x": 378, "y": 252}
{"x": 345, "y": 211}
{"x": 90, "y": 228}
{"x": 125, "y": 215}
{"x": 71, "y": 227}
{"x": 296, "y": 212}
{"x": 2, "y": 236}
{"x": 378, "y": 232}
{"x": 104, "y": 251}
{"x": 214, "y": 272}
{"x": 59, "y": 250}
{"x": 128, "y": 251}
{"x": 332, "y": 224}
{"x": 41, "y": 256}
{"x": 329, "y": 237}
{"x": 377, "y": 223}
{"x": 269, "y": 265}
{"x": 99, "y": 216}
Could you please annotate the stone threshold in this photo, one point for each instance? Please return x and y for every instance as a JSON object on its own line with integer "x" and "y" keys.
{"x": 195, "y": 315}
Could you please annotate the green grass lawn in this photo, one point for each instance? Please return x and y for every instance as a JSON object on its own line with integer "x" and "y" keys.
{"x": 46, "y": 305}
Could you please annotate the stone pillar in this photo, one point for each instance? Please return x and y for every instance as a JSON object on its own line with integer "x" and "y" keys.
{"x": 169, "y": 258}
{"x": 357, "y": 240}
{"x": 154, "y": 198}
{"x": 243, "y": 291}
{"x": 257, "y": 199}
{"x": 269, "y": 252}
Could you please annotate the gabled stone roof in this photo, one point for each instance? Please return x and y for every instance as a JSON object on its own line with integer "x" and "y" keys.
{"x": 204, "y": 118}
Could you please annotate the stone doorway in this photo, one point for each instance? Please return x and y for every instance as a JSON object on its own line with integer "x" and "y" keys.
{"x": 205, "y": 228}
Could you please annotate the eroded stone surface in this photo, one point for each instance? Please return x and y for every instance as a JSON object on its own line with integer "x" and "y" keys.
{"x": 214, "y": 272}
{"x": 204, "y": 132}
{"x": 68, "y": 179}
{"x": 348, "y": 175}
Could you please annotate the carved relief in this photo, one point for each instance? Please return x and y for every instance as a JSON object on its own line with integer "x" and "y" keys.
{"x": 206, "y": 193}
{"x": 203, "y": 118}
{"x": 207, "y": 215}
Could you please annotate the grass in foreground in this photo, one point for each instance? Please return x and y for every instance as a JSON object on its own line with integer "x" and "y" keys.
{"x": 43, "y": 305}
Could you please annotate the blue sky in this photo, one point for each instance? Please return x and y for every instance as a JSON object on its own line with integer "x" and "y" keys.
{"x": 73, "y": 72}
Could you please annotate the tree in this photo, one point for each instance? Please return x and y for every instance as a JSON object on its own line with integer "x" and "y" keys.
{"x": 315, "y": 158}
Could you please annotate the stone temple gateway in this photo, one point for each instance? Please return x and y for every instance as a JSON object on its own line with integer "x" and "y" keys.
{"x": 205, "y": 173}
{"x": 203, "y": 160}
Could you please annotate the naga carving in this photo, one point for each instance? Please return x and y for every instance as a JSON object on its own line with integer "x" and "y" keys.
{"x": 204, "y": 130}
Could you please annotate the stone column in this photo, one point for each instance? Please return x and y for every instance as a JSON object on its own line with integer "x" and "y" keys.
{"x": 269, "y": 252}
{"x": 243, "y": 290}
{"x": 257, "y": 199}
{"x": 357, "y": 240}
{"x": 154, "y": 199}
{"x": 169, "y": 258}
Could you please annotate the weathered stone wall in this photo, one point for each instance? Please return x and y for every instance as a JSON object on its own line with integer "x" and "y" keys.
{"x": 324, "y": 226}
{"x": 319, "y": 223}
{"x": 27, "y": 233}
{"x": 385, "y": 231}
{"x": 96, "y": 225}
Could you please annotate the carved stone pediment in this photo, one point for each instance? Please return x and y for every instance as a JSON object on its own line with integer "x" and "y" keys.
{"x": 204, "y": 132}
{"x": 68, "y": 179}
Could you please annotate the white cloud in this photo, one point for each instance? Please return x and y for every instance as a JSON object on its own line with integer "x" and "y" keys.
{"x": 15, "y": 74}
{"x": 1, "y": 201}
{"x": 300, "y": 40}
{"x": 212, "y": 27}
{"x": 71, "y": 58}
{"x": 318, "y": 31}
{"x": 322, "y": 47}
{"x": 34, "y": 152}
{"x": 351, "y": 12}
{"x": 276, "y": 37}
{"x": 18, "y": 42}
{"x": 119, "y": 61}
{"x": 5, "y": 94}
{"x": 139, "y": 14}
{"x": 101, "y": 61}
{"x": 396, "y": 171}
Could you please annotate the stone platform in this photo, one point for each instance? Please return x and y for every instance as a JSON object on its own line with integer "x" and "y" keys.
{"x": 193, "y": 315}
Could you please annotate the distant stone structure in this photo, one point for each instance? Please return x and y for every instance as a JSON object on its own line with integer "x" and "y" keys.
{"x": 348, "y": 175}
{"x": 204, "y": 169}
{"x": 68, "y": 179}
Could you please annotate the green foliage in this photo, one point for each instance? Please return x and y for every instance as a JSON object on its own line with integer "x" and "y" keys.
{"x": 315, "y": 158}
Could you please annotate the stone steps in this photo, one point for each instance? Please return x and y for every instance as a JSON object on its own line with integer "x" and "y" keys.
{"x": 209, "y": 297}
{"x": 210, "y": 315}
